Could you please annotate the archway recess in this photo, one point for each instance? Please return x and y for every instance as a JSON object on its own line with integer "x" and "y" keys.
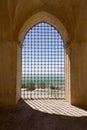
{"x": 55, "y": 22}
{"x": 43, "y": 17}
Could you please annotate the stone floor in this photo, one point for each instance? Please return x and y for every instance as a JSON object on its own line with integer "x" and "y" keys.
{"x": 43, "y": 115}
{"x": 59, "y": 107}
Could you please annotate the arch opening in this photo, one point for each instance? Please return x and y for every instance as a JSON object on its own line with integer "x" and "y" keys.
{"x": 43, "y": 63}
{"x": 43, "y": 16}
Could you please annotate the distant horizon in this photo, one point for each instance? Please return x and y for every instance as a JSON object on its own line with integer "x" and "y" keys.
{"x": 44, "y": 75}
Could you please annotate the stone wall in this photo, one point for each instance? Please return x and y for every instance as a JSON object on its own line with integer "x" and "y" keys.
{"x": 13, "y": 16}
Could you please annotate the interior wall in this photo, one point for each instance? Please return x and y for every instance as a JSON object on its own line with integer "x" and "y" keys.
{"x": 13, "y": 15}
{"x": 78, "y": 61}
{"x": 8, "y": 63}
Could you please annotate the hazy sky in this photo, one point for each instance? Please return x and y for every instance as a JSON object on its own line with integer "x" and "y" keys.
{"x": 43, "y": 51}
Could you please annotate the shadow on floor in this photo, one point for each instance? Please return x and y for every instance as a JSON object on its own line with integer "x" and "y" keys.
{"x": 23, "y": 117}
{"x": 82, "y": 107}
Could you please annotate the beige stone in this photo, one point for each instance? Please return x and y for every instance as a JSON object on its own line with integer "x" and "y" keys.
{"x": 69, "y": 17}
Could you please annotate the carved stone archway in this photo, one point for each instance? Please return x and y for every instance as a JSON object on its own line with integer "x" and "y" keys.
{"x": 52, "y": 20}
{"x": 43, "y": 17}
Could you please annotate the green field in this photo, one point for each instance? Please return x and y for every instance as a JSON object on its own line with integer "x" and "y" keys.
{"x": 44, "y": 80}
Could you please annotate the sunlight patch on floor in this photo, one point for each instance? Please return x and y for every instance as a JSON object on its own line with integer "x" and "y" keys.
{"x": 59, "y": 107}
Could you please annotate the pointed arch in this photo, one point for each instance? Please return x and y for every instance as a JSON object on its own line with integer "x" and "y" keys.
{"x": 43, "y": 17}
{"x": 43, "y": 63}
{"x": 56, "y": 23}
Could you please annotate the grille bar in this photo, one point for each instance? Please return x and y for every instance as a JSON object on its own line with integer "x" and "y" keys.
{"x": 43, "y": 63}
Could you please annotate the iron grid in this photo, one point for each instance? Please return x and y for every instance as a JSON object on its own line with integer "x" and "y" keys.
{"x": 43, "y": 63}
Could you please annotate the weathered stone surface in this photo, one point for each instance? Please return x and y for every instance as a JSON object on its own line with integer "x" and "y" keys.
{"x": 13, "y": 16}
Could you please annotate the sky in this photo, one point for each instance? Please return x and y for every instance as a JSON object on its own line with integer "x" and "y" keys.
{"x": 43, "y": 51}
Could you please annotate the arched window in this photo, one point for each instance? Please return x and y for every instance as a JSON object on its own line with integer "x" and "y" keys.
{"x": 43, "y": 63}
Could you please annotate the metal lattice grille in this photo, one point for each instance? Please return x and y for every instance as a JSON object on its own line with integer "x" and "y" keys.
{"x": 43, "y": 74}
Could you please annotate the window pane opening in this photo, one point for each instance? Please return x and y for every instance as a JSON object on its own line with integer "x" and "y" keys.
{"x": 43, "y": 63}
